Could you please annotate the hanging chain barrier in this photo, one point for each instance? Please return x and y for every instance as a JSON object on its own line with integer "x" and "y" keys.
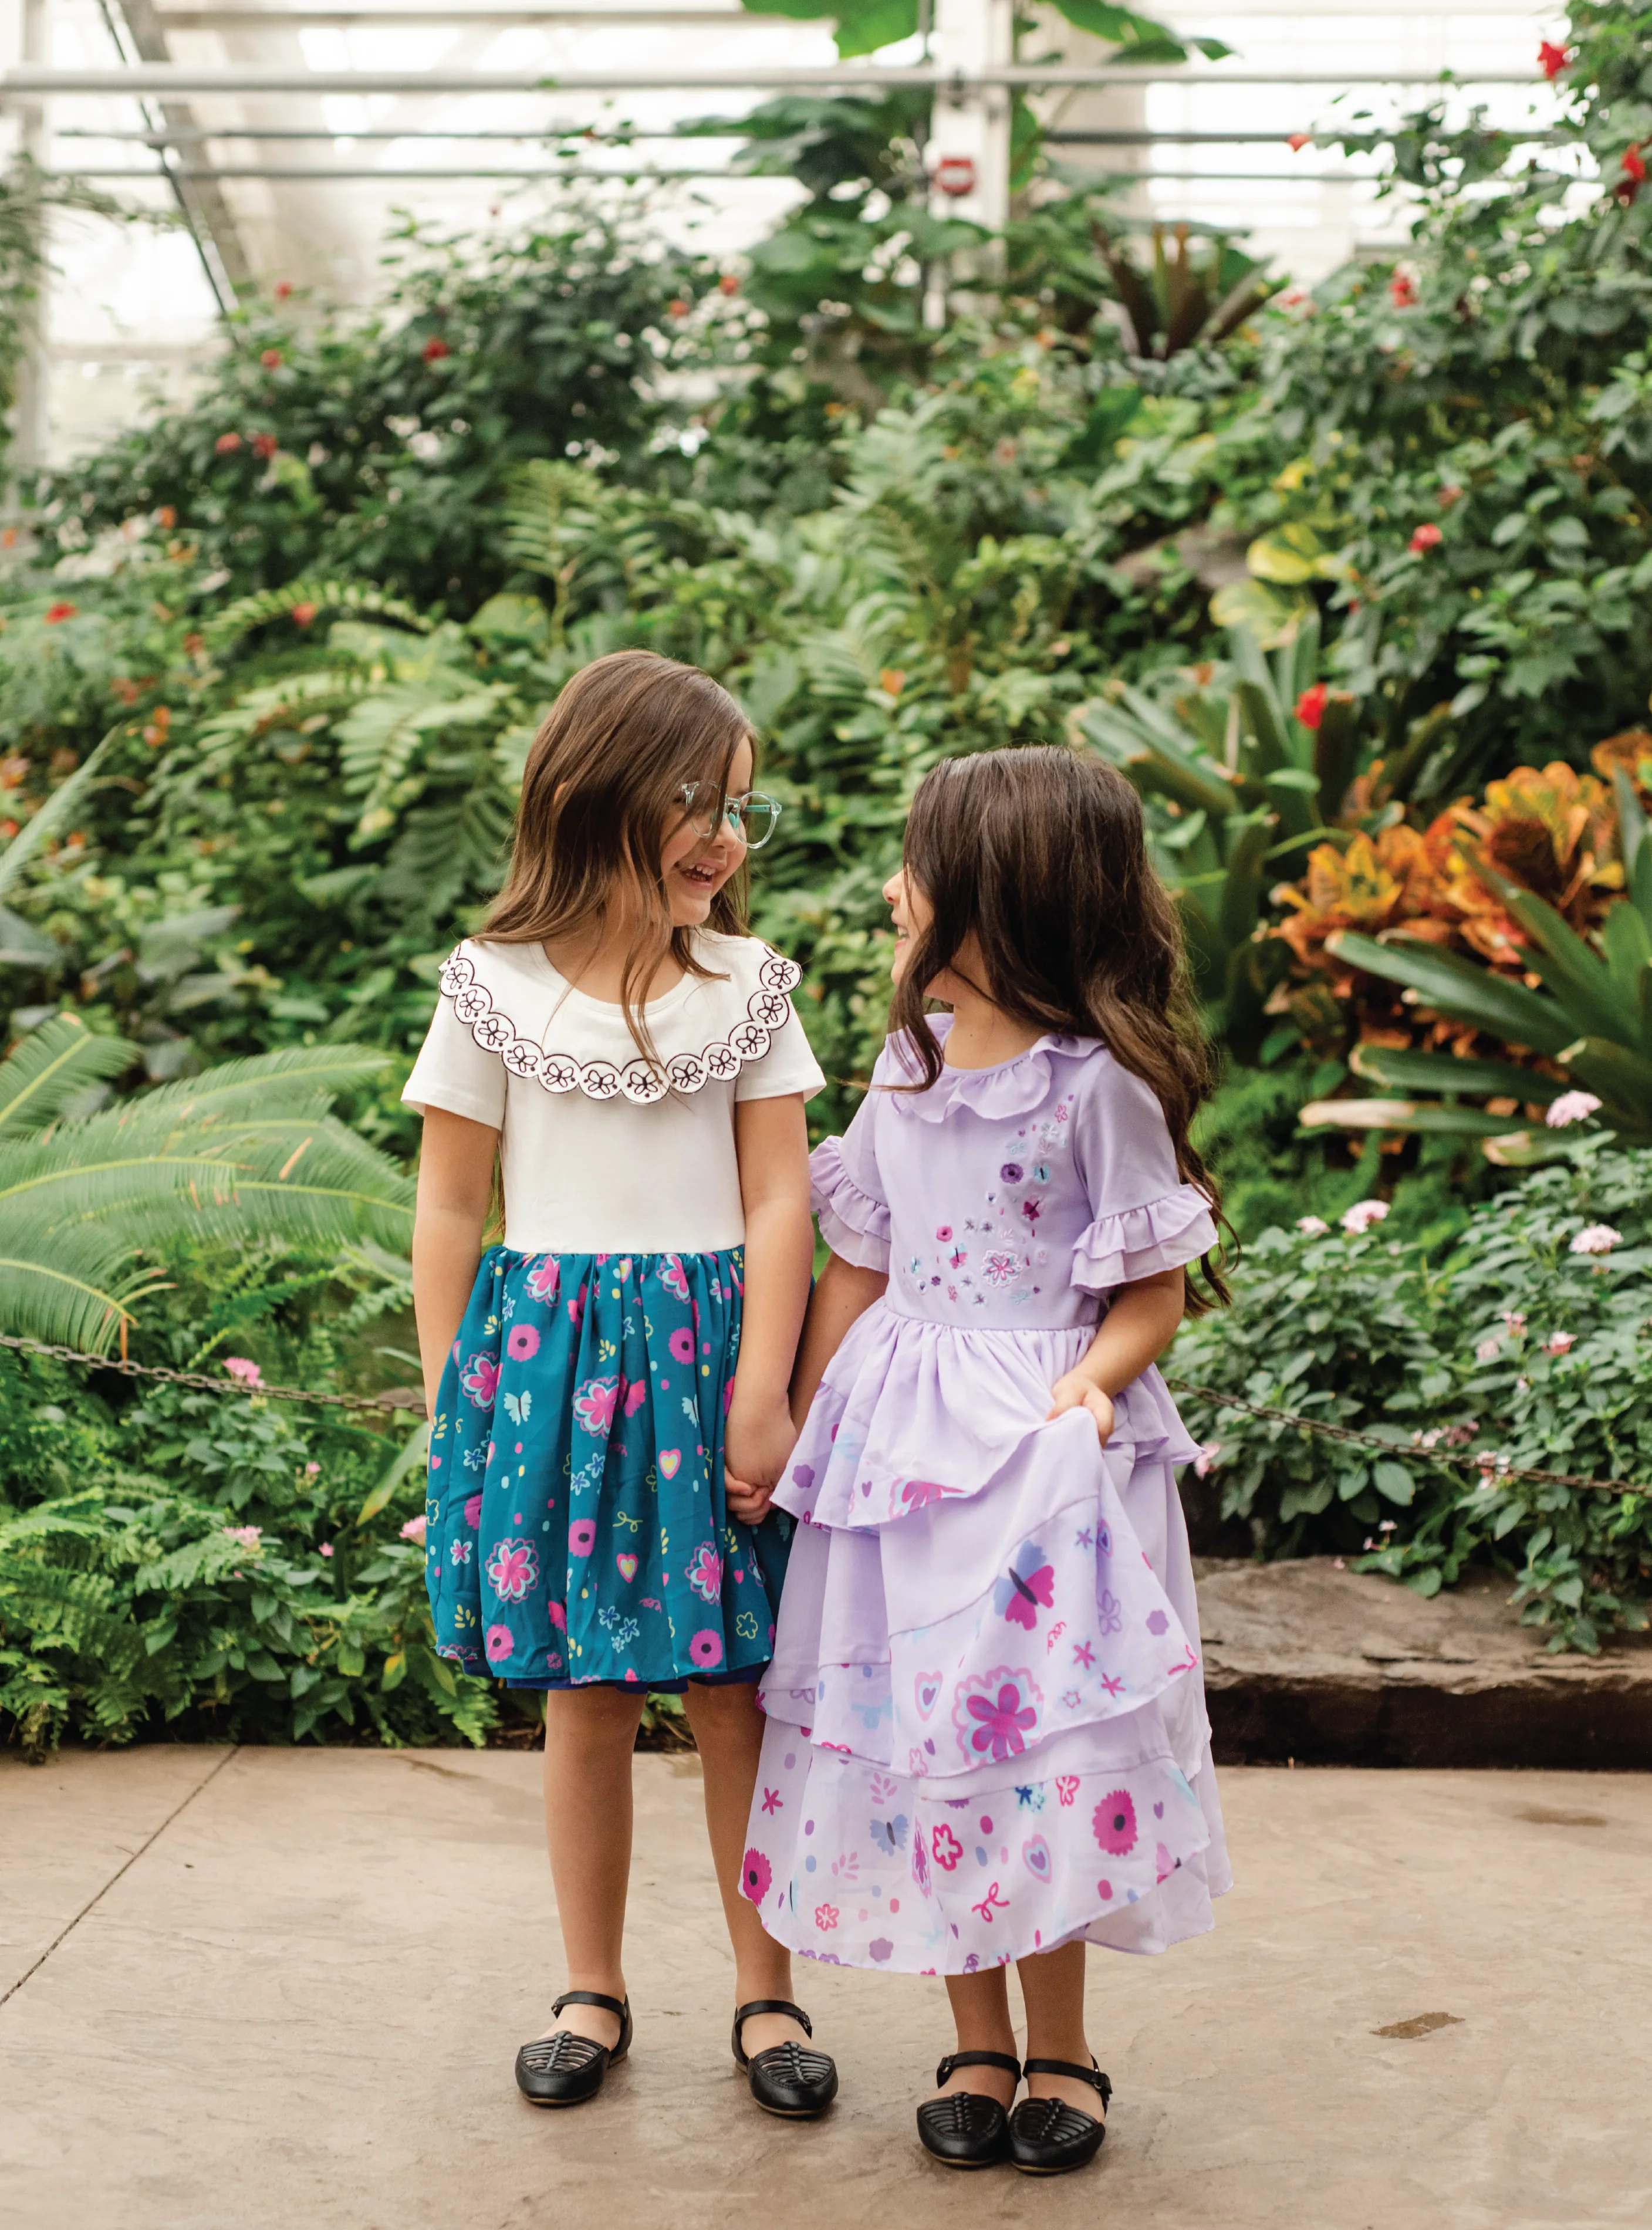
{"x": 1491, "y": 1468}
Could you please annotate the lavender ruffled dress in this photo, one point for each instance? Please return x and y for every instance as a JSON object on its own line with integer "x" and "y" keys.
{"x": 986, "y": 1727}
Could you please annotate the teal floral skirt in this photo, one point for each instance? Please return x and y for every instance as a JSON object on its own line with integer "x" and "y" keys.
{"x": 575, "y": 1527}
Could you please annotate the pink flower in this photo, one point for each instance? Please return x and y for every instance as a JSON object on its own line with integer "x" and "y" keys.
{"x": 1515, "y": 1322}
{"x": 326, "y": 1549}
{"x": 498, "y": 1643}
{"x": 706, "y": 1649}
{"x": 312, "y": 1471}
{"x": 249, "y": 1535}
{"x": 825, "y": 1917}
{"x": 227, "y": 444}
{"x": 1002, "y": 1721}
{"x": 1401, "y": 291}
{"x": 480, "y": 1379}
{"x": 1208, "y": 1456}
{"x": 1571, "y": 1107}
{"x": 945, "y": 1848}
{"x": 705, "y": 1573}
{"x": 582, "y": 1536}
{"x": 543, "y": 1279}
{"x": 1427, "y": 537}
{"x": 472, "y": 1511}
{"x": 1363, "y": 1215}
{"x": 1560, "y": 1343}
{"x": 577, "y": 1308}
{"x": 513, "y": 1569}
{"x": 594, "y": 1404}
{"x": 756, "y": 1876}
{"x": 239, "y": 1367}
{"x": 523, "y": 1343}
{"x": 1596, "y": 1239}
{"x": 1314, "y": 1226}
{"x": 414, "y": 1531}
{"x": 1486, "y": 1352}
{"x": 682, "y": 1345}
{"x": 1113, "y": 1822}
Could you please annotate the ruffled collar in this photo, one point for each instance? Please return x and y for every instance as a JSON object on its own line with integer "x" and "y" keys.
{"x": 1011, "y": 1088}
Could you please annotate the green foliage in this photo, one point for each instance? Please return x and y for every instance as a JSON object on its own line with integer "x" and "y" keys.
{"x": 1506, "y": 1342}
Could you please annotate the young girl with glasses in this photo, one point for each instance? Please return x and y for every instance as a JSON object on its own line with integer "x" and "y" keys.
{"x": 607, "y": 1385}
{"x": 987, "y": 1739}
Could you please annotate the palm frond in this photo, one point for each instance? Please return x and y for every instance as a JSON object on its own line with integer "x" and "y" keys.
{"x": 64, "y": 800}
{"x": 309, "y": 598}
{"x": 48, "y": 1071}
{"x": 269, "y": 1082}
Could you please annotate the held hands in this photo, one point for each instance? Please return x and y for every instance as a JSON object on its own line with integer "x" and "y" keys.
{"x": 756, "y": 1441}
{"x": 1075, "y": 1391}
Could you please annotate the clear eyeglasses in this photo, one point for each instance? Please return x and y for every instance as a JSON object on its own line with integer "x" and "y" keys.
{"x": 750, "y": 819}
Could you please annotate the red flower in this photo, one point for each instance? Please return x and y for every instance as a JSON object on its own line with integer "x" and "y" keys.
{"x": 56, "y": 612}
{"x": 1634, "y": 165}
{"x": 1401, "y": 290}
{"x": 227, "y": 444}
{"x": 434, "y": 351}
{"x": 265, "y": 445}
{"x": 271, "y": 360}
{"x": 728, "y": 284}
{"x": 284, "y": 287}
{"x": 679, "y": 308}
{"x": 1297, "y": 140}
{"x": 1553, "y": 59}
{"x": 1427, "y": 536}
{"x": 1310, "y": 706}
{"x": 303, "y": 614}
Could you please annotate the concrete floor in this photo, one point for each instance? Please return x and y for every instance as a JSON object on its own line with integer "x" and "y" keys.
{"x": 280, "y": 1990}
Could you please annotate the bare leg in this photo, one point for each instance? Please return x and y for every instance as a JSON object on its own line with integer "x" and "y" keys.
{"x": 728, "y": 1731}
{"x": 981, "y": 2014}
{"x": 1052, "y": 1983}
{"x": 590, "y": 1734}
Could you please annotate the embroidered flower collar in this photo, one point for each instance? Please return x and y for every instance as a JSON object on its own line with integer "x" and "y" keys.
{"x": 1011, "y": 1088}
{"x": 767, "y": 1010}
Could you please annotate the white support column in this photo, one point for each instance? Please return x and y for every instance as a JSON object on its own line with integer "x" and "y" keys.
{"x": 969, "y": 144}
{"x": 30, "y": 423}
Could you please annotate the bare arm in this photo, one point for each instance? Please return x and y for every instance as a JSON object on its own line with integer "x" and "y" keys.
{"x": 841, "y": 1295}
{"x": 773, "y": 1143}
{"x": 455, "y": 1185}
{"x": 1138, "y": 1328}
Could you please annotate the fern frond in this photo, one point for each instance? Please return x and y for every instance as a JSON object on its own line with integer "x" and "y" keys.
{"x": 265, "y": 1080}
{"x": 48, "y": 1071}
{"x": 65, "y": 800}
{"x": 249, "y": 612}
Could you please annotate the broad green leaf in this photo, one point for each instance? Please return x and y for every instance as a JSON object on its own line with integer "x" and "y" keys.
{"x": 1461, "y": 989}
{"x": 1441, "y": 1072}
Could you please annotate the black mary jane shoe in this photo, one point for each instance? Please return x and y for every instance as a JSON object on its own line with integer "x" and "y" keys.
{"x": 966, "y": 2129}
{"x": 565, "y": 2070}
{"x": 788, "y": 2079}
{"x": 1047, "y": 2136}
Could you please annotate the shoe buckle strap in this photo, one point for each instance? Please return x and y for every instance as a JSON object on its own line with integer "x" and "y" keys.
{"x": 957, "y": 2060}
{"x": 589, "y": 1998}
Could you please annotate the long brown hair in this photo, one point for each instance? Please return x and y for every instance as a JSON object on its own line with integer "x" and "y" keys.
{"x": 1040, "y": 852}
{"x": 599, "y": 797}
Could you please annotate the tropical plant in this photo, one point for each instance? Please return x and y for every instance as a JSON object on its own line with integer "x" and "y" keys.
{"x": 1195, "y": 285}
{"x": 90, "y": 1203}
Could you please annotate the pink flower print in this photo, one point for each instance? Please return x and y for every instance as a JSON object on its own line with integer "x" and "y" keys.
{"x": 945, "y": 1848}
{"x": 682, "y": 1345}
{"x": 576, "y": 1309}
{"x": 513, "y": 1569}
{"x": 479, "y": 1378}
{"x": 544, "y": 1280}
{"x": 825, "y": 1917}
{"x": 1114, "y": 1822}
{"x": 921, "y": 1862}
{"x": 1067, "y": 1787}
{"x": 472, "y": 1512}
{"x": 999, "y": 1267}
{"x": 558, "y": 1613}
{"x": 756, "y": 1876}
{"x": 523, "y": 1343}
{"x": 1005, "y": 1715}
{"x": 500, "y": 1643}
{"x": 706, "y": 1649}
{"x": 728, "y": 1394}
{"x": 705, "y": 1573}
{"x": 582, "y": 1536}
{"x": 460, "y": 1551}
{"x": 672, "y": 1276}
{"x": 1109, "y": 1613}
{"x": 594, "y": 1404}
{"x": 944, "y": 1232}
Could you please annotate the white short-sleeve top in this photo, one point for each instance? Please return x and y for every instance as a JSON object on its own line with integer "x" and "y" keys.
{"x": 601, "y": 1152}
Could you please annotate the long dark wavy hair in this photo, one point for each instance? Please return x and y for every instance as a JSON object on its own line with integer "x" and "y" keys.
{"x": 599, "y": 797}
{"x": 1039, "y": 853}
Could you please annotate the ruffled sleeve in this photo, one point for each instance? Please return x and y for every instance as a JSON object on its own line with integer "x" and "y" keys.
{"x": 846, "y": 1188}
{"x": 1143, "y": 1218}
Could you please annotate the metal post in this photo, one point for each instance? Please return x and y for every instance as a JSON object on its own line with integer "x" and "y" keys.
{"x": 30, "y": 411}
{"x": 969, "y": 135}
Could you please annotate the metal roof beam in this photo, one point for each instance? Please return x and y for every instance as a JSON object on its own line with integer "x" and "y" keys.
{"x": 179, "y": 78}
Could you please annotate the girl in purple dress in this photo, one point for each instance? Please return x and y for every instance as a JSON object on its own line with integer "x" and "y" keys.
{"x": 986, "y": 1737}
